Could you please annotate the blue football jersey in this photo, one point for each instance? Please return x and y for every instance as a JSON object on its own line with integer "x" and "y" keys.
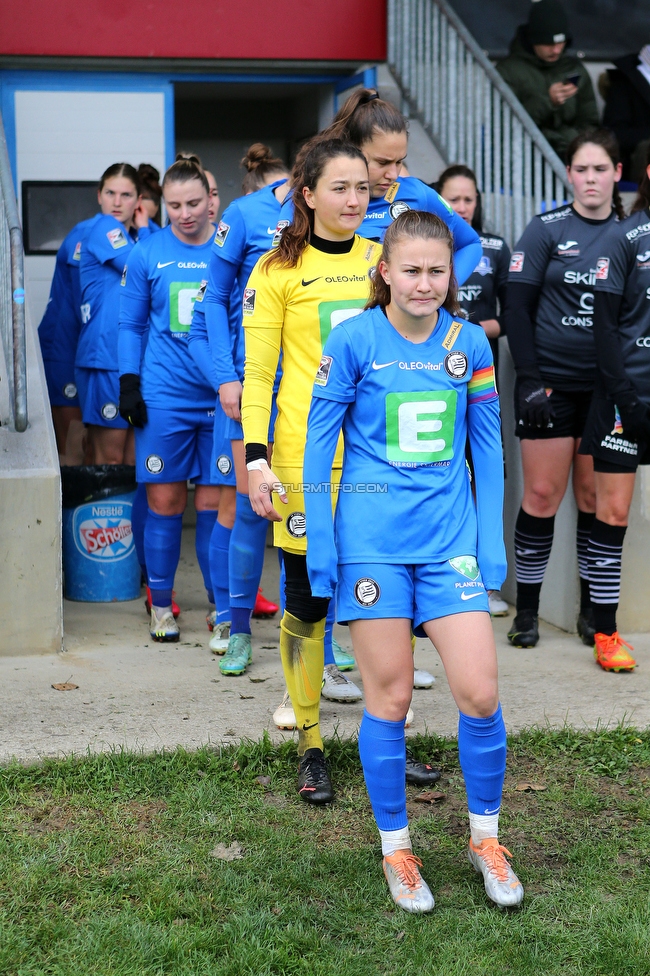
{"x": 406, "y": 409}
{"x": 61, "y": 322}
{"x": 103, "y": 258}
{"x": 163, "y": 279}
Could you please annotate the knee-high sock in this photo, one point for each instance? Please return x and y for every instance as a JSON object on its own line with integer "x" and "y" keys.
{"x": 204, "y": 529}
{"x": 482, "y": 754}
{"x": 583, "y": 531}
{"x": 283, "y": 580}
{"x": 301, "y": 652}
{"x": 605, "y": 555}
{"x": 329, "y": 626}
{"x": 245, "y": 562}
{"x": 382, "y": 749}
{"x": 533, "y": 541}
{"x": 162, "y": 549}
{"x": 219, "y": 545}
{"x": 139, "y": 513}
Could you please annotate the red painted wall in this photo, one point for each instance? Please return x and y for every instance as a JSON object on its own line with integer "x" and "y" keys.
{"x": 353, "y": 30}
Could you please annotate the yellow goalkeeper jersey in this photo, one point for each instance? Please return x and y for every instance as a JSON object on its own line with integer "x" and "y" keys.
{"x": 293, "y": 310}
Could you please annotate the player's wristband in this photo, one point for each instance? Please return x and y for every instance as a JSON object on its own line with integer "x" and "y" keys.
{"x": 258, "y": 465}
{"x": 256, "y": 452}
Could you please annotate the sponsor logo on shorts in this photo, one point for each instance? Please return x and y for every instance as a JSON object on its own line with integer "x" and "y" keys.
{"x": 602, "y": 269}
{"x": 456, "y": 365}
{"x": 398, "y": 208}
{"x": 109, "y": 411}
{"x": 248, "y": 304}
{"x": 221, "y": 234}
{"x": 620, "y": 445}
{"x": 69, "y": 391}
{"x": 470, "y": 596}
{"x": 466, "y": 566}
{"x": 517, "y": 261}
{"x": 323, "y": 372}
{"x": 154, "y": 464}
{"x": 103, "y": 531}
{"x": 296, "y": 525}
{"x": 367, "y": 591}
{"x": 224, "y": 464}
{"x": 116, "y": 238}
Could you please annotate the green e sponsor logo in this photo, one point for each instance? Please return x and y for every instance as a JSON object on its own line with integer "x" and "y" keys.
{"x": 331, "y": 314}
{"x": 182, "y": 295}
{"x": 420, "y": 426}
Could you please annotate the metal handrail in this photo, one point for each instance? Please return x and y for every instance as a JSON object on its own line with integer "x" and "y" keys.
{"x": 472, "y": 115}
{"x": 12, "y": 292}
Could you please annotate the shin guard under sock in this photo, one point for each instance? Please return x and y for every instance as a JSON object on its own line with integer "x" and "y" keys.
{"x": 204, "y": 527}
{"x": 245, "y": 562}
{"x": 482, "y": 754}
{"x": 301, "y": 653}
{"x": 533, "y": 542}
{"x": 219, "y": 545}
{"x": 583, "y": 531}
{"x": 139, "y": 512}
{"x": 162, "y": 548}
{"x": 605, "y": 555}
{"x": 382, "y": 750}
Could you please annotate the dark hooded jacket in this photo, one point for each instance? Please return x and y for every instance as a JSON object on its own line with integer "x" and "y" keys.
{"x": 627, "y": 109}
{"x": 530, "y": 79}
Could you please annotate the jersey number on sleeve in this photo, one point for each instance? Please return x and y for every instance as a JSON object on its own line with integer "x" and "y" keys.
{"x": 420, "y": 426}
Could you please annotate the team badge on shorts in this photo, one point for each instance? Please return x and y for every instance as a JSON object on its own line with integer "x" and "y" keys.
{"x": 224, "y": 464}
{"x": 398, "y": 208}
{"x": 466, "y": 566}
{"x": 367, "y": 591}
{"x": 296, "y": 525}
{"x": 69, "y": 391}
{"x": 109, "y": 411}
{"x": 456, "y": 365}
{"x": 154, "y": 464}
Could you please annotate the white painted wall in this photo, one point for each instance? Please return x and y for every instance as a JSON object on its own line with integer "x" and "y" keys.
{"x": 76, "y": 135}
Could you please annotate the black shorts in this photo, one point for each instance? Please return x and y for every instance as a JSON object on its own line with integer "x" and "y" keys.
{"x": 611, "y": 450}
{"x": 570, "y": 409}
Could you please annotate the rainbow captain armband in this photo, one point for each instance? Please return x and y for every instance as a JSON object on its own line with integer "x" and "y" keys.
{"x": 482, "y": 386}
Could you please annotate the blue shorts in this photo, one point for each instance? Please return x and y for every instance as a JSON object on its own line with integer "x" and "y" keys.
{"x": 370, "y": 591}
{"x": 61, "y": 384}
{"x": 235, "y": 432}
{"x": 99, "y": 395}
{"x": 223, "y": 468}
{"x": 175, "y": 445}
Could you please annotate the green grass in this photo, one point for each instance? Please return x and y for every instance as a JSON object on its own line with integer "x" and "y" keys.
{"x": 106, "y": 866}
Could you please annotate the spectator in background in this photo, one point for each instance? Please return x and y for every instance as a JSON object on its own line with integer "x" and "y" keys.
{"x": 151, "y": 193}
{"x": 627, "y": 110}
{"x": 554, "y": 88}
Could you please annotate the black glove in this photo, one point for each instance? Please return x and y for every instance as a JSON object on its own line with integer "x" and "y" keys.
{"x": 133, "y": 409}
{"x": 635, "y": 418}
{"x": 534, "y": 407}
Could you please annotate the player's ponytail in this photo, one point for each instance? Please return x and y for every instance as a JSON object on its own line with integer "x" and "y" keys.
{"x": 121, "y": 169}
{"x": 606, "y": 139}
{"x": 260, "y": 164}
{"x": 414, "y": 225}
{"x": 296, "y": 236}
{"x": 362, "y": 115}
{"x": 642, "y": 201}
{"x": 186, "y": 167}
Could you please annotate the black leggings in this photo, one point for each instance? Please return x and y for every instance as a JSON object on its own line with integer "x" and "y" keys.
{"x": 298, "y": 596}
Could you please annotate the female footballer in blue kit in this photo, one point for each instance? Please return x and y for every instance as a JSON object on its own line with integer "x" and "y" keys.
{"x": 163, "y": 395}
{"x": 106, "y": 251}
{"x": 410, "y": 547}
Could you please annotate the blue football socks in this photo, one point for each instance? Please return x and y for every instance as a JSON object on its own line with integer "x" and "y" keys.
{"x": 204, "y": 528}
{"x": 245, "y": 563}
{"x": 219, "y": 546}
{"x": 162, "y": 548}
{"x": 482, "y": 754}
{"x": 382, "y": 749}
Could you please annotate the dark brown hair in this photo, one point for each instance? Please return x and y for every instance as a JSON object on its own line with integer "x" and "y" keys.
{"x": 150, "y": 185}
{"x": 414, "y": 225}
{"x": 458, "y": 169}
{"x": 295, "y": 237}
{"x": 186, "y": 167}
{"x": 642, "y": 201}
{"x": 259, "y": 162}
{"x": 606, "y": 139}
{"x": 121, "y": 169}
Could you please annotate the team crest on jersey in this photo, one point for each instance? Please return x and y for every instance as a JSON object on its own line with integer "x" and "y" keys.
{"x": 224, "y": 464}
{"x": 278, "y": 232}
{"x": 643, "y": 261}
{"x": 77, "y": 252}
{"x": 517, "y": 261}
{"x": 367, "y": 591}
{"x": 69, "y": 391}
{"x": 154, "y": 464}
{"x": 116, "y": 238}
{"x": 391, "y": 192}
{"x": 398, "y": 208}
{"x": 466, "y": 566}
{"x": 456, "y": 365}
{"x": 248, "y": 304}
{"x": 323, "y": 372}
{"x": 297, "y": 525}
{"x": 201, "y": 292}
{"x": 484, "y": 267}
{"x": 123, "y": 278}
{"x": 221, "y": 234}
{"x": 109, "y": 411}
{"x": 602, "y": 269}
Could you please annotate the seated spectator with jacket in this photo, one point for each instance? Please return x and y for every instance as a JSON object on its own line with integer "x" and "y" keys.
{"x": 627, "y": 110}
{"x": 554, "y": 87}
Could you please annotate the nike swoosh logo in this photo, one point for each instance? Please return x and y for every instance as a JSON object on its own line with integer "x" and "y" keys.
{"x": 565, "y": 247}
{"x": 488, "y": 813}
{"x": 306, "y": 728}
{"x": 151, "y": 580}
{"x": 376, "y": 365}
{"x": 470, "y": 596}
{"x": 311, "y": 281}
{"x": 236, "y": 596}
{"x": 271, "y": 230}
{"x": 166, "y": 264}
{"x": 605, "y": 562}
{"x": 526, "y": 552}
